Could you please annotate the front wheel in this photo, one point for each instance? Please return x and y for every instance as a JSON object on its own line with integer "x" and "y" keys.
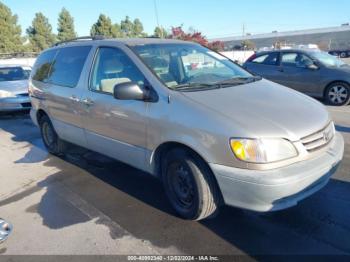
{"x": 338, "y": 94}
{"x": 189, "y": 185}
{"x": 52, "y": 142}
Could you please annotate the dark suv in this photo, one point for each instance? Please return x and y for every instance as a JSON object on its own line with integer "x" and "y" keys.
{"x": 315, "y": 73}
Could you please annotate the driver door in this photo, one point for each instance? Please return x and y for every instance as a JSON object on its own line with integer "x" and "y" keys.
{"x": 116, "y": 128}
{"x": 294, "y": 73}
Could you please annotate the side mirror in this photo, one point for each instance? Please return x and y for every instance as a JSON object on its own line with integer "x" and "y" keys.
{"x": 312, "y": 67}
{"x": 132, "y": 91}
{"x": 129, "y": 91}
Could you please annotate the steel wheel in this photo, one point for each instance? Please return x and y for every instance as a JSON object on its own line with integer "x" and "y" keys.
{"x": 189, "y": 185}
{"x": 181, "y": 184}
{"x": 52, "y": 142}
{"x": 48, "y": 134}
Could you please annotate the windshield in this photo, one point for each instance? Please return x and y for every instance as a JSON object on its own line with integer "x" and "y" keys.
{"x": 13, "y": 74}
{"x": 327, "y": 59}
{"x": 188, "y": 66}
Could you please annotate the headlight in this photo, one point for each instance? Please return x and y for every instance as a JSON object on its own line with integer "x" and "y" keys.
{"x": 4, "y": 94}
{"x": 262, "y": 150}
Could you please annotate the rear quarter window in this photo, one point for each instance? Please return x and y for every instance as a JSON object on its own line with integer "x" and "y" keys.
{"x": 266, "y": 59}
{"x": 42, "y": 66}
{"x": 68, "y": 65}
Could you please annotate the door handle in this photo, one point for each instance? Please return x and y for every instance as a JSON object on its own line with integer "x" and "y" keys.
{"x": 74, "y": 98}
{"x": 87, "y": 101}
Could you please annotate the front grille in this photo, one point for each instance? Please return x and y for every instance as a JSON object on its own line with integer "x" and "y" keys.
{"x": 319, "y": 139}
{"x": 26, "y": 104}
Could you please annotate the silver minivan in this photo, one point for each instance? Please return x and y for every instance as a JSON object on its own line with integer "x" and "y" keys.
{"x": 211, "y": 131}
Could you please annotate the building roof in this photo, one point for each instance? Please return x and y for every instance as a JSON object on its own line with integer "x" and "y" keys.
{"x": 344, "y": 28}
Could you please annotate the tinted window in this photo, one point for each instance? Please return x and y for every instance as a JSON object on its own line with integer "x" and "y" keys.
{"x": 13, "y": 74}
{"x": 295, "y": 60}
{"x": 266, "y": 59}
{"x": 68, "y": 64}
{"x": 112, "y": 67}
{"x": 42, "y": 66}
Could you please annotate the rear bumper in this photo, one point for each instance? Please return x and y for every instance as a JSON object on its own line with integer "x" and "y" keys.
{"x": 280, "y": 188}
{"x": 15, "y": 104}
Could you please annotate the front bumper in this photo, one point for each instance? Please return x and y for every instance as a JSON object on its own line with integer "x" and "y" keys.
{"x": 18, "y": 103}
{"x": 280, "y": 188}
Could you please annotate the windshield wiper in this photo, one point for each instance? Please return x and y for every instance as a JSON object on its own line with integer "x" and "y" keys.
{"x": 195, "y": 86}
{"x": 238, "y": 81}
{"x": 205, "y": 86}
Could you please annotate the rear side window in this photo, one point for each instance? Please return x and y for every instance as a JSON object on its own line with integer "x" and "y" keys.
{"x": 266, "y": 59}
{"x": 67, "y": 66}
{"x": 42, "y": 66}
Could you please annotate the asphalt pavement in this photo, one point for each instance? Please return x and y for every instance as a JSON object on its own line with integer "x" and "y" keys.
{"x": 86, "y": 203}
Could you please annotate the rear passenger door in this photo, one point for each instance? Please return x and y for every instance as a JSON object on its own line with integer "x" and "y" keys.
{"x": 265, "y": 65}
{"x": 64, "y": 92}
{"x": 113, "y": 127}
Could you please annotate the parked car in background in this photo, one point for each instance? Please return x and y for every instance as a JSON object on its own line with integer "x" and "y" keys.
{"x": 314, "y": 73}
{"x": 340, "y": 53}
{"x": 212, "y": 133}
{"x": 14, "y": 88}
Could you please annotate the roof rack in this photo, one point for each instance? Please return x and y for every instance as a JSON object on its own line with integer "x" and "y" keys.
{"x": 96, "y": 37}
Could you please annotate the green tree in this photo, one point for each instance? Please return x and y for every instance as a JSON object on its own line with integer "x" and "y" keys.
{"x": 127, "y": 27}
{"x": 138, "y": 29}
{"x": 160, "y": 32}
{"x": 65, "y": 26}
{"x": 40, "y": 33}
{"x": 132, "y": 28}
{"x": 10, "y": 32}
{"x": 104, "y": 27}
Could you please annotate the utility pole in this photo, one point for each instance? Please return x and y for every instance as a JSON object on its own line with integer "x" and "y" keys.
{"x": 157, "y": 17}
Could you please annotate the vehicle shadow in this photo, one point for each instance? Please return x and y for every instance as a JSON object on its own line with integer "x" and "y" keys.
{"x": 137, "y": 203}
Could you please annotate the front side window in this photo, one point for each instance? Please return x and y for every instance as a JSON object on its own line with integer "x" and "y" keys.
{"x": 182, "y": 65}
{"x": 111, "y": 67}
{"x": 13, "y": 74}
{"x": 295, "y": 60}
{"x": 67, "y": 66}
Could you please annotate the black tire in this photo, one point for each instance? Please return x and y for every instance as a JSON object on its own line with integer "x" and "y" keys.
{"x": 190, "y": 185}
{"x": 343, "y": 54}
{"x": 52, "y": 142}
{"x": 338, "y": 94}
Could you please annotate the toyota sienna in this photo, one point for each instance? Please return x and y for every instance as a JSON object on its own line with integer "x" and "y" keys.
{"x": 212, "y": 132}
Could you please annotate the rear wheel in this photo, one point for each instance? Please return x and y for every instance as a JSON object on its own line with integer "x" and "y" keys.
{"x": 338, "y": 94}
{"x": 189, "y": 185}
{"x": 343, "y": 54}
{"x": 52, "y": 142}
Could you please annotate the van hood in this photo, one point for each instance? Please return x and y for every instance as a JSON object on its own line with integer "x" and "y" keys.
{"x": 15, "y": 87}
{"x": 265, "y": 109}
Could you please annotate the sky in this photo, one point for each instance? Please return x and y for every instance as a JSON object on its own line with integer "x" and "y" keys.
{"x": 214, "y": 19}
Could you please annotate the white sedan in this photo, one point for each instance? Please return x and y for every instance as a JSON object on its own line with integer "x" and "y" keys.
{"x": 14, "y": 88}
